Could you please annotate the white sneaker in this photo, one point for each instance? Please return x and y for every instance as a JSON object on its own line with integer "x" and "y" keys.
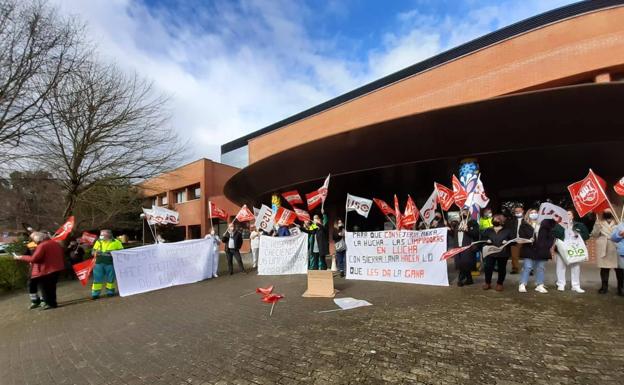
{"x": 215, "y": 275}
{"x": 541, "y": 289}
{"x": 578, "y": 290}
{"x": 522, "y": 288}
{"x": 560, "y": 287}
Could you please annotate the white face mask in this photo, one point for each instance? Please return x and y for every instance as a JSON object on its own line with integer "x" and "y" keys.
{"x": 533, "y": 216}
{"x": 518, "y": 215}
{"x": 102, "y": 237}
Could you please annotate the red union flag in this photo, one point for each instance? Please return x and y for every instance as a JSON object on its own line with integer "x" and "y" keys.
{"x": 410, "y": 216}
{"x": 453, "y": 252}
{"x": 588, "y": 194}
{"x": 324, "y": 188}
{"x": 245, "y": 215}
{"x": 314, "y": 199}
{"x": 397, "y": 212}
{"x": 63, "y": 231}
{"x": 459, "y": 193}
{"x": 83, "y": 270}
{"x": 216, "y": 212}
{"x": 619, "y": 187}
{"x": 383, "y": 206}
{"x": 284, "y": 217}
{"x": 88, "y": 238}
{"x": 293, "y": 197}
{"x": 302, "y": 215}
{"x": 445, "y": 196}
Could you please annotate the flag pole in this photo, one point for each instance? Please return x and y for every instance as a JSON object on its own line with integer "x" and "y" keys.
{"x": 210, "y": 215}
{"x": 608, "y": 201}
{"x": 346, "y": 213}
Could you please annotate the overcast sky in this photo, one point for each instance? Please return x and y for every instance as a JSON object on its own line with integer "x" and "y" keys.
{"x": 232, "y": 67}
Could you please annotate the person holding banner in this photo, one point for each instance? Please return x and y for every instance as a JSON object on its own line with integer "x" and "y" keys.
{"x": 606, "y": 251}
{"x": 537, "y": 254}
{"x": 572, "y": 230}
{"x": 497, "y": 236}
{"x": 318, "y": 242}
{"x": 47, "y": 261}
{"x": 233, "y": 241}
{"x": 463, "y": 234}
{"x": 104, "y": 271}
{"x": 340, "y": 245}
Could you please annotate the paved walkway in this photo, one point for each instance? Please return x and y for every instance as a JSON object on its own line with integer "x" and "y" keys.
{"x": 206, "y": 333}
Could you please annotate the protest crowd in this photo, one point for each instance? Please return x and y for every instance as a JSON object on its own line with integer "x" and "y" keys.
{"x": 478, "y": 237}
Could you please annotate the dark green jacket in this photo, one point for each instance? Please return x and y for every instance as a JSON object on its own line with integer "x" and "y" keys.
{"x": 578, "y": 227}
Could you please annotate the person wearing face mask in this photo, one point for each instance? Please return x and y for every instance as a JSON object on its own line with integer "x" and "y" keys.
{"x": 539, "y": 252}
{"x": 618, "y": 238}
{"x": 573, "y": 229}
{"x": 318, "y": 242}
{"x": 233, "y": 241}
{"x": 463, "y": 234}
{"x": 47, "y": 261}
{"x": 498, "y": 236}
{"x": 606, "y": 250}
{"x": 215, "y": 248}
{"x": 485, "y": 222}
{"x": 514, "y": 226}
{"x": 103, "y": 271}
{"x": 341, "y": 248}
{"x": 254, "y": 239}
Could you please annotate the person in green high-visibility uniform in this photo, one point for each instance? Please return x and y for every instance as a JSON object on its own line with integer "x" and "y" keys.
{"x": 103, "y": 271}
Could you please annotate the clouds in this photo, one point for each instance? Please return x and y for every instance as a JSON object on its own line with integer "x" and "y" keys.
{"x": 232, "y": 67}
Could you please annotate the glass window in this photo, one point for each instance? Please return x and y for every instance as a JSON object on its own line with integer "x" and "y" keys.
{"x": 180, "y": 196}
{"x": 196, "y": 193}
{"x": 237, "y": 158}
{"x": 163, "y": 200}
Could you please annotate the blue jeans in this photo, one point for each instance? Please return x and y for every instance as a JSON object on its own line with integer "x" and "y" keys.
{"x": 340, "y": 260}
{"x": 531, "y": 264}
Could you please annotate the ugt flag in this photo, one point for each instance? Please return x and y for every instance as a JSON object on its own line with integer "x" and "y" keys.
{"x": 244, "y": 215}
{"x": 216, "y": 212}
{"x": 361, "y": 206}
{"x": 445, "y": 196}
{"x": 284, "y": 217}
{"x": 588, "y": 194}
{"x": 619, "y": 187}
{"x": 293, "y": 197}
{"x": 383, "y": 206}
{"x": 410, "y": 216}
{"x": 459, "y": 193}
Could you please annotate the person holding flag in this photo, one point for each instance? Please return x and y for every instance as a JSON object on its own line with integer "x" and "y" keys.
{"x": 340, "y": 245}
{"x": 606, "y": 251}
{"x": 233, "y": 241}
{"x": 318, "y": 241}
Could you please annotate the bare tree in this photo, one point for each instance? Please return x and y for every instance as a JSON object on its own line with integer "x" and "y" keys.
{"x": 104, "y": 127}
{"x": 37, "y": 49}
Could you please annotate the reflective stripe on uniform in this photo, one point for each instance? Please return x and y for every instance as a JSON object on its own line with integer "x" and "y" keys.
{"x": 96, "y": 287}
{"x": 110, "y": 285}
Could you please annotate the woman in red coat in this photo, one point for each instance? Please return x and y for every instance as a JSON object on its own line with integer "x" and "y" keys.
{"x": 47, "y": 261}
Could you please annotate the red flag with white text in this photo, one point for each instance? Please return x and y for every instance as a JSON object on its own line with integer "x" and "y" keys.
{"x": 63, "y": 232}
{"x": 284, "y": 217}
{"x": 383, "y": 206}
{"x": 445, "y": 196}
{"x": 410, "y": 216}
{"x": 292, "y": 197}
{"x": 245, "y": 215}
{"x": 314, "y": 200}
{"x": 588, "y": 194}
{"x": 302, "y": 215}
{"x": 619, "y": 187}
{"x": 459, "y": 193}
{"x": 216, "y": 212}
{"x": 83, "y": 270}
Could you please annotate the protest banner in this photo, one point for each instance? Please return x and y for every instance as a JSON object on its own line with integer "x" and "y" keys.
{"x": 554, "y": 212}
{"x": 264, "y": 219}
{"x": 398, "y": 256}
{"x": 161, "y": 265}
{"x": 283, "y": 255}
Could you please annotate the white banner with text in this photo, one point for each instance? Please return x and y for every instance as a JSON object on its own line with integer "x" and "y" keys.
{"x": 154, "y": 267}
{"x": 398, "y": 256}
{"x": 283, "y": 255}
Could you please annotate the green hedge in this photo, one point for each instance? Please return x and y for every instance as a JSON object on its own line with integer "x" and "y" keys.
{"x": 13, "y": 274}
